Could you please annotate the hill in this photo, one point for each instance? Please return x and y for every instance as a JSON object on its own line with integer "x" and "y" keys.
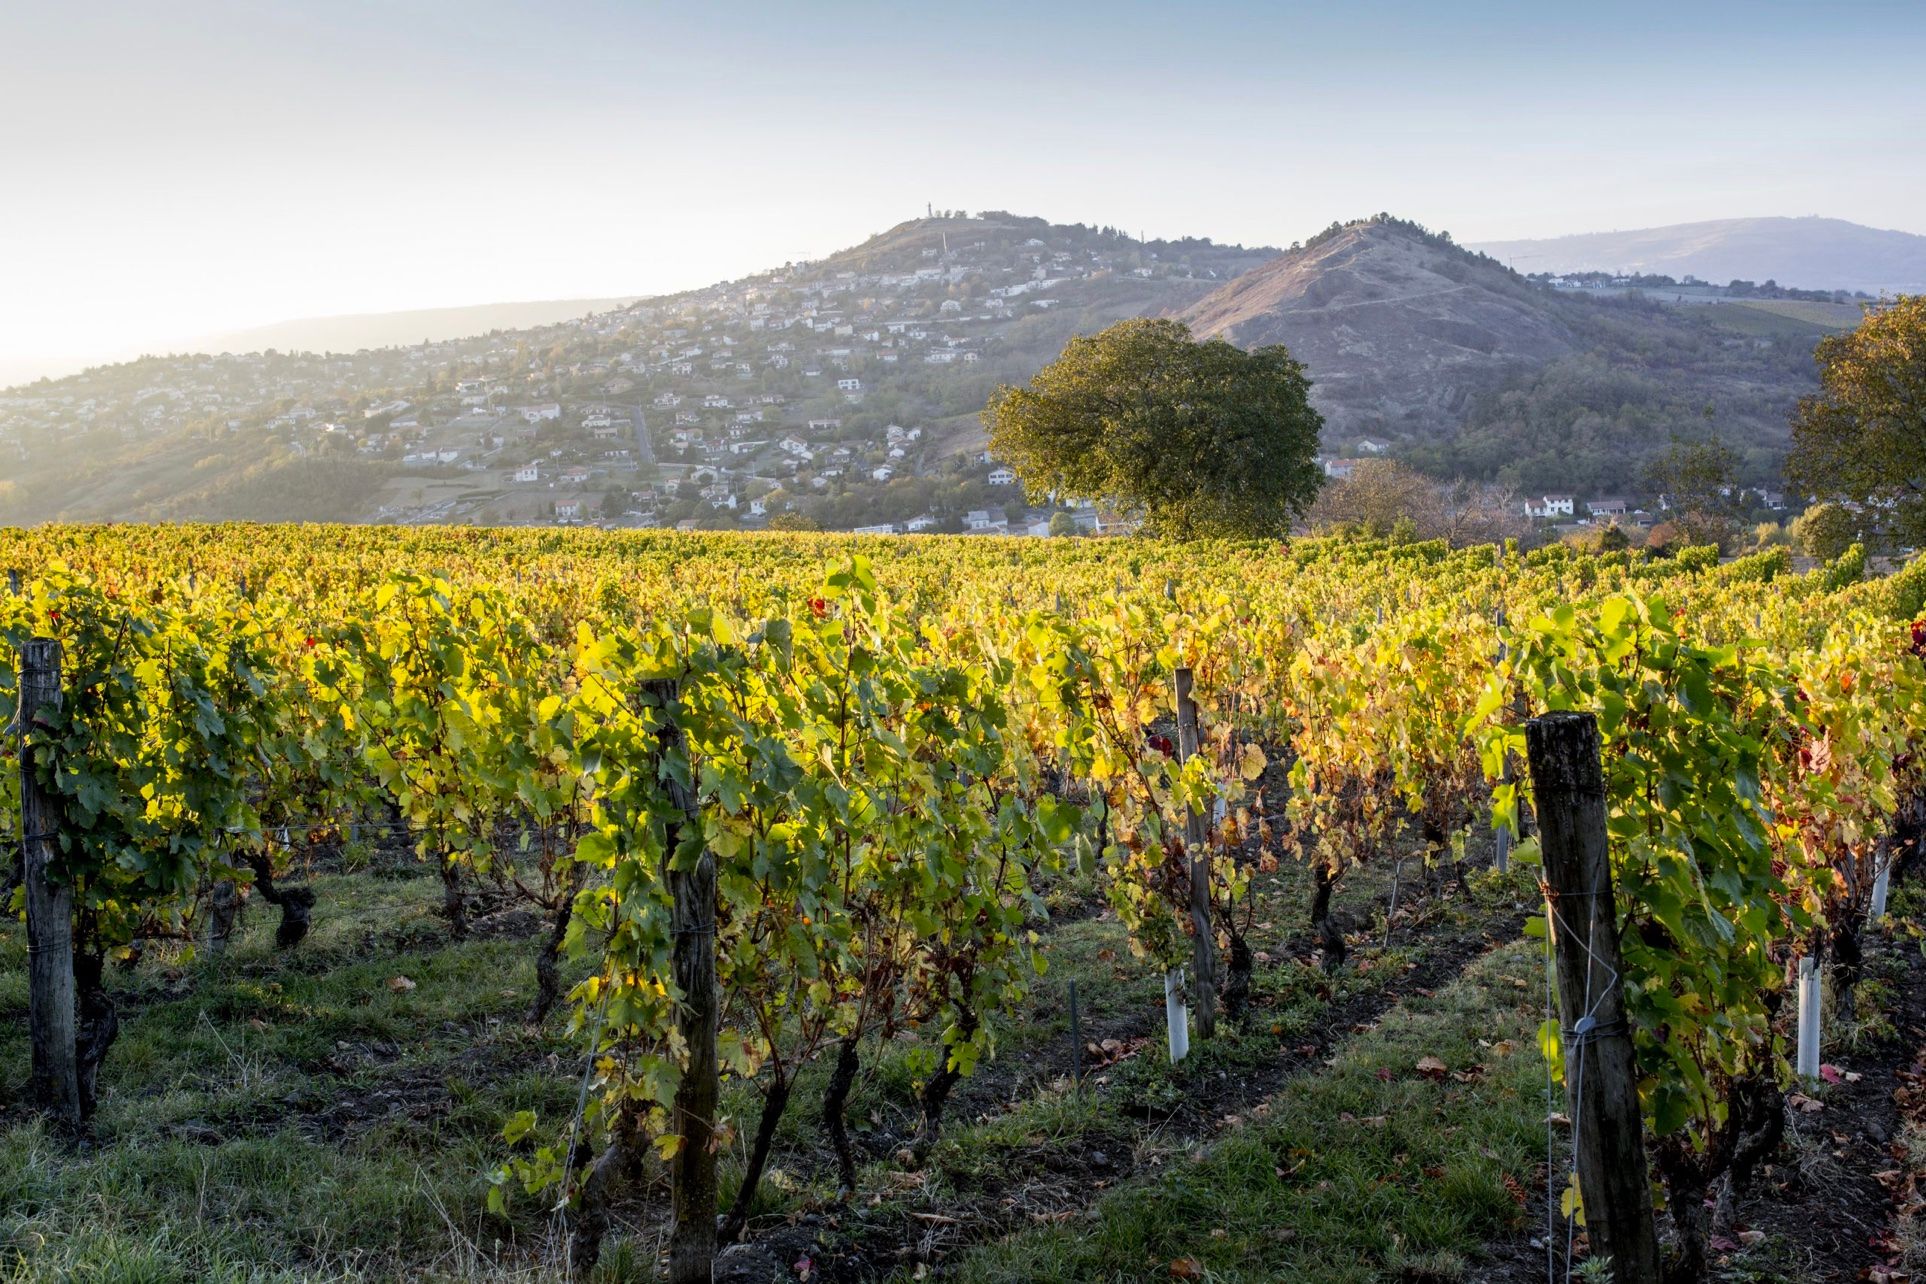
{"x": 1807, "y": 253}
{"x": 1397, "y": 326}
{"x": 352, "y": 333}
{"x": 843, "y": 391}
{"x": 1468, "y": 369}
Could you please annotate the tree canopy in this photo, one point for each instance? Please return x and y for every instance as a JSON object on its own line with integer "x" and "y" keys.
{"x": 1204, "y": 438}
{"x": 1699, "y": 480}
{"x": 1864, "y": 436}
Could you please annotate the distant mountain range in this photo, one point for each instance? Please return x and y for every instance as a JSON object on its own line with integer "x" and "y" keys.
{"x": 353, "y": 332}
{"x": 1805, "y": 253}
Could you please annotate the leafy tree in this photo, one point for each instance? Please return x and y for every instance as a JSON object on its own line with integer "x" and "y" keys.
{"x": 1825, "y": 531}
{"x": 1205, "y": 438}
{"x": 1062, "y": 525}
{"x": 1382, "y": 493}
{"x": 1864, "y": 436}
{"x": 1699, "y": 480}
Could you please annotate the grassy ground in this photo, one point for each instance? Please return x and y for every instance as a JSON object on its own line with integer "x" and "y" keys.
{"x": 332, "y": 1114}
{"x": 1369, "y": 1169}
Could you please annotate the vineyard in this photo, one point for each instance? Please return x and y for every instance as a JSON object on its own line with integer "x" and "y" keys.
{"x": 525, "y": 904}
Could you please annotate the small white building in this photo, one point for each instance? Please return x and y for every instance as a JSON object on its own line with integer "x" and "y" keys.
{"x": 1549, "y": 506}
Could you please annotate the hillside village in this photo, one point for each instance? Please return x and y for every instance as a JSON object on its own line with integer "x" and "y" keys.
{"x": 841, "y": 393}
{"x": 844, "y": 393}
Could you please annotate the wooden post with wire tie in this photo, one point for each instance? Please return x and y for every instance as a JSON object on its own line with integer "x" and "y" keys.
{"x": 50, "y": 902}
{"x": 1601, "y": 1071}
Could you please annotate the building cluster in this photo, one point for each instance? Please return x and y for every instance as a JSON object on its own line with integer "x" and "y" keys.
{"x": 846, "y": 389}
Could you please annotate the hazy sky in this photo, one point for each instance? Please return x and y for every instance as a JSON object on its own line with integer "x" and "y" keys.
{"x": 174, "y": 167}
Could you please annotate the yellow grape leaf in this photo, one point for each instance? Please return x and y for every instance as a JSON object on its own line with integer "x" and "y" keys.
{"x": 1571, "y": 1205}
{"x": 1251, "y": 762}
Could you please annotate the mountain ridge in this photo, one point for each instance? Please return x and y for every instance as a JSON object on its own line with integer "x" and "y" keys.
{"x": 1807, "y": 252}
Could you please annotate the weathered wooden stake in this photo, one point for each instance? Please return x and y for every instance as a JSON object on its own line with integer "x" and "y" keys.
{"x": 1501, "y": 835}
{"x": 1197, "y": 842}
{"x": 1076, "y": 1041}
{"x": 50, "y": 903}
{"x": 1601, "y": 1075}
{"x": 692, "y": 1240}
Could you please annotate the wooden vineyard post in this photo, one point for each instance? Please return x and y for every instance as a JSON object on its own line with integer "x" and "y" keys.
{"x": 1601, "y": 1073}
{"x": 50, "y": 905}
{"x": 1501, "y": 835}
{"x": 1197, "y": 843}
{"x": 692, "y": 1239}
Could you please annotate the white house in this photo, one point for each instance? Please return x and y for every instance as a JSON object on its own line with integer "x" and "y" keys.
{"x": 527, "y": 473}
{"x": 545, "y": 410}
{"x": 850, "y": 385}
{"x": 1002, "y": 477}
{"x": 1611, "y": 508}
{"x": 1549, "y": 506}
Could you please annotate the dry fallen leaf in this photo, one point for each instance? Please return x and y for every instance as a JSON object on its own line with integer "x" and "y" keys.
{"x": 400, "y": 984}
{"x": 1187, "y": 1268}
{"x": 1431, "y": 1067}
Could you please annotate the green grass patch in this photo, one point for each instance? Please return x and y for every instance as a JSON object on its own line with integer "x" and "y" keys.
{"x": 1367, "y": 1169}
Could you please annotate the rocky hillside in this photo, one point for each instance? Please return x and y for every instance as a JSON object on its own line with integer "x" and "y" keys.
{"x": 1399, "y": 328}
{"x": 1468, "y": 369}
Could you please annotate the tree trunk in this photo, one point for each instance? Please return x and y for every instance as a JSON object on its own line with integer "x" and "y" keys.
{"x": 548, "y": 964}
{"x": 617, "y": 1162}
{"x": 452, "y": 906}
{"x": 1848, "y": 964}
{"x": 295, "y": 903}
{"x": 937, "y": 1092}
{"x": 1237, "y": 981}
{"x": 1757, "y": 1121}
{"x": 773, "y": 1105}
{"x": 223, "y": 907}
{"x": 1685, "y": 1191}
{"x": 1330, "y": 939}
{"x": 95, "y": 1030}
{"x": 835, "y": 1100}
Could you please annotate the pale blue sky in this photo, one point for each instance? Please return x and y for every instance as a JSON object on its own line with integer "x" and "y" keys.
{"x": 167, "y": 169}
